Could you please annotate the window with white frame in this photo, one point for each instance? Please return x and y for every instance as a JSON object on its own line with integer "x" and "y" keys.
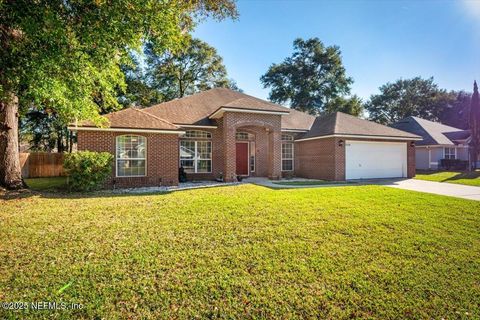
{"x": 196, "y": 156}
{"x": 450, "y": 153}
{"x": 244, "y": 136}
{"x": 252, "y": 156}
{"x": 197, "y": 134}
{"x": 287, "y": 152}
{"x": 131, "y": 151}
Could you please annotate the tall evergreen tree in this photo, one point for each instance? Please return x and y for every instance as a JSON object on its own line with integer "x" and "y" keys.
{"x": 475, "y": 125}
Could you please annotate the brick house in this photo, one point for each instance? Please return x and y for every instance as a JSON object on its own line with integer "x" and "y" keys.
{"x": 225, "y": 133}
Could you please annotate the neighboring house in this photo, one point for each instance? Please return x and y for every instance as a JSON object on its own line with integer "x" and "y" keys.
{"x": 438, "y": 142}
{"x": 225, "y": 133}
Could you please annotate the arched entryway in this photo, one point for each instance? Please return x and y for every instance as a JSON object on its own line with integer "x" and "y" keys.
{"x": 256, "y": 141}
{"x": 255, "y": 150}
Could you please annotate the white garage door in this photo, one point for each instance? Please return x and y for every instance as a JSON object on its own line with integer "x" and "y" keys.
{"x": 370, "y": 160}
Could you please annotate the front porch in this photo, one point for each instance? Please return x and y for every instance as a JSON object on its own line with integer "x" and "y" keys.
{"x": 252, "y": 145}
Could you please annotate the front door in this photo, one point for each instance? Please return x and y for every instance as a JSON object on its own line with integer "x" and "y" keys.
{"x": 242, "y": 159}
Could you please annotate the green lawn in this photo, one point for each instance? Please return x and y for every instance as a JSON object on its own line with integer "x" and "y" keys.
{"x": 244, "y": 252}
{"x": 47, "y": 184}
{"x": 467, "y": 178}
{"x": 308, "y": 182}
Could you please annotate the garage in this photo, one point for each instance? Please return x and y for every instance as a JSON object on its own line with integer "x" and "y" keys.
{"x": 371, "y": 160}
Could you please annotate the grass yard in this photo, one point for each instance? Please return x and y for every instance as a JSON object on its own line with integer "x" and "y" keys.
{"x": 308, "y": 182}
{"x": 47, "y": 184}
{"x": 466, "y": 178}
{"x": 243, "y": 252}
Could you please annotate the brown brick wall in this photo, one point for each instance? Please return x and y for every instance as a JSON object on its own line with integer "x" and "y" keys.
{"x": 266, "y": 128}
{"x": 410, "y": 159}
{"x": 325, "y": 159}
{"x": 315, "y": 159}
{"x": 162, "y": 157}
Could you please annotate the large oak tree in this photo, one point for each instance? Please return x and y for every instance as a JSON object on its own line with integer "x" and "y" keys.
{"x": 65, "y": 55}
{"x": 408, "y": 97}
{"x": 196, "y": 67}
{"x": 311, "y": 80}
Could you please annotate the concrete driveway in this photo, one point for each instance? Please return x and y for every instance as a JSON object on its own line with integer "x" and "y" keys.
{"x": 445, "y": 189}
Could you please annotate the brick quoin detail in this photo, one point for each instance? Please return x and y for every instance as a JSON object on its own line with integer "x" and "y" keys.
{"x": 162, "y": 157}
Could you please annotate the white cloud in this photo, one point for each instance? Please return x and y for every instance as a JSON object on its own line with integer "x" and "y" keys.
{"x": 472, "y": 7}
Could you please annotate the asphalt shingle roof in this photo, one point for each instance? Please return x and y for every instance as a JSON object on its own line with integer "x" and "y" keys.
{"x": 341, "y": 123}
{"x": 196, "y": 109}
{"x": 433, "y": 133}
{"x": 133, "y": 118}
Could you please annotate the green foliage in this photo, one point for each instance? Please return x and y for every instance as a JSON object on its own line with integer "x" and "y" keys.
{"x": 458, "y": 177}
{"x": 45, "y": 130}
{"x": 88, "y": 170}
{"x": 244, "y": 252}
{"x": 408, "y": 97}
{"x": 351, "y": 105}
{"x": 474, "y": 124}
{"x": 310, "y": 79}
{"x": 47, "y": 184}
{"x": 66, "y": 55}
{"x": 197, "y": 67}
{"x": 457, "y": 112}
{"x": 139, "y": 91}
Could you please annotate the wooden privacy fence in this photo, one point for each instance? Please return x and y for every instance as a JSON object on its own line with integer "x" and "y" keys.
{"x": 41, "y": 164}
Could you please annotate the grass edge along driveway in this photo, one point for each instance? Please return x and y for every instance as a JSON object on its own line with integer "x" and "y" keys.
{"x": 243, "y": 252}
{"x": 457, "y": 177}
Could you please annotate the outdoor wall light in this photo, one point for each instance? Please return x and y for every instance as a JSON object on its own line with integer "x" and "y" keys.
{"x": 412, "y": 144}
{"x": 340, "y": 143}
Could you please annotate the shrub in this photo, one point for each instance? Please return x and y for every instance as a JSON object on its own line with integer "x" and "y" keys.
{"x": 87, "y": 170}
{"x": 454, "y": 164}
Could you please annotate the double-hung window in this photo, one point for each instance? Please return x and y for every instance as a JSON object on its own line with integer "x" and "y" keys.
{"x": 450, "y": 153}
{"x": 287, "y": 152}
{"x": 131, "y": 153}
{"x": 196, "y": 155}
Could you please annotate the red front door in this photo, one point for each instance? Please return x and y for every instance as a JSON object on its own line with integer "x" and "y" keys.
{"x": 242, "y": 159}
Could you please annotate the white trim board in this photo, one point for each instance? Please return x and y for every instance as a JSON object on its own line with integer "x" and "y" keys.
{"x": 219, "y": 113}
{"x": 352, "y": 136}
{"x": 293, "y": 130}
{"x": 195, "y": 126}
{"x": 125, "y": 130}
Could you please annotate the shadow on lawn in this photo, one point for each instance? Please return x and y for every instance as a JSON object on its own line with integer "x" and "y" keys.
{"x": 465, "y": 175}
{"x": 9, "y": 195}
{"x": 63, "y": 194}
{"x": 458, "y": 175}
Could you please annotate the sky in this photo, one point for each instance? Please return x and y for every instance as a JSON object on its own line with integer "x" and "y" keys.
{"x": 381, "y": 41}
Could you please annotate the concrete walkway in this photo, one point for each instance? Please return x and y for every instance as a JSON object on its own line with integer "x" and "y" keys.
{"x": 441, "y": 188}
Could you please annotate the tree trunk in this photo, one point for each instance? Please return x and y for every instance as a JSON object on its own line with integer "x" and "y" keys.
{"x": 10, "y": 171}
{"x": 70, "y": 138}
